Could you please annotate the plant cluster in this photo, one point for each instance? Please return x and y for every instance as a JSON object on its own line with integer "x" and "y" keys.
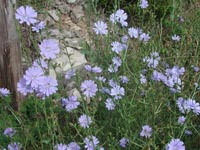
{"x": 135, "y": 95}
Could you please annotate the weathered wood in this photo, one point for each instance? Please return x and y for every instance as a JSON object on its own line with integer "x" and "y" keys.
{"x": 10, "y": 55}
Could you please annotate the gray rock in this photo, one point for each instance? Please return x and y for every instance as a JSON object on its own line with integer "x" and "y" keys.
{"x": 55, "y": 33}
{"x": 58, "y": 2}
{"x": 71, "y": 1}
{"x": 74, "y": 92}
{"x": 69, "y": 34}
{"x": 64, "y": 9}
{"x": 77, "y": 13}
{"x": 49, "y": 20}
{"x": 69, "y": 50}
{"x": 65, "y": 61}
{"x": 53, "y": 14}
{"x": 74, "y": 42}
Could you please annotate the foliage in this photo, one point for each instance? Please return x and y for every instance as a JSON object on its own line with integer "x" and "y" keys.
{"x": 46, "y": 120}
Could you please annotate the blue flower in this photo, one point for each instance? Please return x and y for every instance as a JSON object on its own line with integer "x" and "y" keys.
{"x": 4, "y": 92}
{"x": 9, "y": 132}
{"x": 146, "y": 131}
{"x": 47, "y": 87}
{"x": 124, "y": 142}
{"x": 84, "y": 121}
{"x": 175, "y": 144}
{"x": 117, "y": 92}
{"x": 100, "y": 28}
{"x": 144, "y": 4}
{"x": 181, "y": 120}
{"x": 49, "y": 48}
{"x": 134, "y": 32}
{"x": 60, "y": 147}
{"x": 121, "y": 17}
{"x": 117, "y": 47}
{"x": 176, "y": 38}
{"x": 89, "y": 88}
{"x": 110, "y": 105}
{"x": 26, "y": 14}
{"x": 14, "y": 146}
{"x": 33, "y": 76}
{"x": 71, "y": 103}
{"x": 73, "y": 146}
{"x": 69, "y": 74}
{"x": 39, "y": 26}
{"x": 91, "y": 142}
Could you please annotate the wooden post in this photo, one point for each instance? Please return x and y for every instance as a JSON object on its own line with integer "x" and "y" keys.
{"x": 10, "y": 55}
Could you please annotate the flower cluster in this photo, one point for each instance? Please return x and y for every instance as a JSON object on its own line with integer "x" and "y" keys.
{"x": 185, "y": 106}
{"x": 116, "y": 63}
{"x": 70, "y": 146}
{"x": 34, "y": 79}
{"x": 138, "y": 34}
{"x": 153, "y": 60}
{"x": 170, "y": 78}
{"x": 119, "y": 16}
{"x": 26, "y": 14}
{"x": 95, "y": 69}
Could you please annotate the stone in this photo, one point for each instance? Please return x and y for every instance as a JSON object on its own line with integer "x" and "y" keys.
{"x": 73, "y": 42}
{"x": 70, "y": 50}
{"x": 58, "y": 2}
{"x": 77, "y": 13}
{"x": 48, "y": 20}
{"x": 74, "y": 92}
{"x": 64, "y": 9}
{"x": 71, "y": 1}
{"x": 69, "y": 34}
{"x": 53, "y": 14}
{"x": 65, "y": 61}
{"x": 54, "y": 32}
{"x": 77, "y": 59}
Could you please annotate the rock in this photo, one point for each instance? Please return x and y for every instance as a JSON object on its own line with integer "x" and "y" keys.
{"x": 77, "y": 13}
{"x": 77, "y": 59}
{"x": 48, "y": 20}
{"x": 53, "y": 15}
{"x": 74, "y": 92}
{"x": 52, "y": 73}
{"x": 69, "y": 34}
{"x": 74, "y": 42}
{"x": 71, "y": 1}
{"x": 55, "y": 33}
{"x": 70, "y": 50}
{"x": 58, "y": 2}
{"x": 65, "y": 61}
{"x": 64, "y": 9}
{"x": 62, "y": 34}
